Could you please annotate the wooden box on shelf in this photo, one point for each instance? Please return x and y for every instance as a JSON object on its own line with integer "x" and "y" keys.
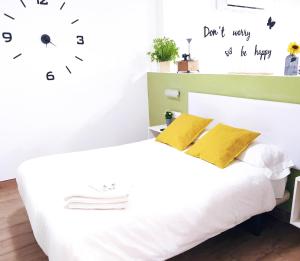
{"x": 295, "y": 215}
{"x": 188, "y": 66}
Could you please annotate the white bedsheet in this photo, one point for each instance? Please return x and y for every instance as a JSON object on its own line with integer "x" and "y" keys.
{"x": 176, "y": 202}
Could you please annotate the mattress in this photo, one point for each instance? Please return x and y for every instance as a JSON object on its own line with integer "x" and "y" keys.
{"x": 176, "y": 202}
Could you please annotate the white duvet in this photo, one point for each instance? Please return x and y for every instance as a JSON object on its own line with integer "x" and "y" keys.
{"x": 176, "y": 202}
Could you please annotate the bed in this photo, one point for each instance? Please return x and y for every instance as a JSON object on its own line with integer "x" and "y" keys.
{"x": 176, "y": 201}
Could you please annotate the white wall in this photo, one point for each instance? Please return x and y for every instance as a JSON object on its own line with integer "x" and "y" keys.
{"x": 103, "y": 102}
{"x": 186, "y": 19}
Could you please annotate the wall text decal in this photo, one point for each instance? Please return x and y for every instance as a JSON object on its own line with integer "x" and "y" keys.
{"x": 243, "y": 33}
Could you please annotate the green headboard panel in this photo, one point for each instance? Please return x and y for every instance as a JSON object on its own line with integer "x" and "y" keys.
{"x": 273, "y": 88}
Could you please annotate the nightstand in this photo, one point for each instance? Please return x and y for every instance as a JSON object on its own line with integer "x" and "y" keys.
{"x": 153, "y": 131}
{"x": 295, "y": 215}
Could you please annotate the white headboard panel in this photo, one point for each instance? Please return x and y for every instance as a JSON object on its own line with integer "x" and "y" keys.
{"x": 278, "y": 123}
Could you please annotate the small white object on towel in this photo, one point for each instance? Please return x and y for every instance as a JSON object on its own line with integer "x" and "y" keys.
{"x": 104, "y": 191}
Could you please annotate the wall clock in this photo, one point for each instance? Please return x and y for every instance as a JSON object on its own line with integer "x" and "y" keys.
{"x": 47, "y": 39}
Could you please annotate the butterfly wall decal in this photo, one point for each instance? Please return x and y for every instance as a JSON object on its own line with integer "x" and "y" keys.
{"x": 270, "y": 23}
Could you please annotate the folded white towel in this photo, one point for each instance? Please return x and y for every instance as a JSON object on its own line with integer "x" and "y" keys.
{"x": 96, "y": 195}
{"x": 97, "y": 206}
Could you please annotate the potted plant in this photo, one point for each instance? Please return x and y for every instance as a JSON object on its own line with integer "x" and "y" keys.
{"x": 164, "y": 51}
{"x": 291, "y": 61}
{"x": 168, "y": 117}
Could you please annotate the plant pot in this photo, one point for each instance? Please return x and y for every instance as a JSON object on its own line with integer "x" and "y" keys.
{"x": 164, "y": 67}
{"x": 168, "y": 121}
{"x": 291, "y": 65}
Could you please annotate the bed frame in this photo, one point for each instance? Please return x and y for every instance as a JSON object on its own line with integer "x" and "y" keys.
{"x": 276, "y": 121}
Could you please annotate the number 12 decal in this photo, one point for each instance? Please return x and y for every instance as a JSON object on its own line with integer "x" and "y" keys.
{"x": 42, "y": 2}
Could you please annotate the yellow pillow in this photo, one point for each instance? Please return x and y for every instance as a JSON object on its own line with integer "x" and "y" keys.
{"x": 222, "y": 144}
{"x": 183, "y": 130}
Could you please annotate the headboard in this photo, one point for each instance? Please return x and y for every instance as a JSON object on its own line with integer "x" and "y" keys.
{"x": 276, "y": 121}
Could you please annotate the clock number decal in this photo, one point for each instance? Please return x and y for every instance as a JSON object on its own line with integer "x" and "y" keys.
{"x": 23, "y": 3}
{"x": 9, "y": 16}
{"x": 42, "y": 2}
{"x": 75, "y": 21}
{"x": 17, "y": 56}
{"x": 68, "y": 69}
{"x": 78, "y": 58}
{"x": 80, "y": 39}
{"x": 62, "y": 6}
{"x": 50, "y": 76}
{"x": 7, "y": 37}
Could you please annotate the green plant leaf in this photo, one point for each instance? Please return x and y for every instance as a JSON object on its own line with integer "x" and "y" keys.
{"x": 164, "y": 49}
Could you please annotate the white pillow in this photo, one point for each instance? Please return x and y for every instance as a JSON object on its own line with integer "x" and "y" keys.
{"x": 267, "y": 156}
